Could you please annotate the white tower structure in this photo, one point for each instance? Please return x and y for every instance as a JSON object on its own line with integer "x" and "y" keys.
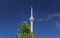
{"x": 31, "y": 19}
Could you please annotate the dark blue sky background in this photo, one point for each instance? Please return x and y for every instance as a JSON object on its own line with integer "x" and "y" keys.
{"x": 46, "y": 14}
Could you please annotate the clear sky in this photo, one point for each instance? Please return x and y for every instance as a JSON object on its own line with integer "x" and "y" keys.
{"x": 46, "y": 14}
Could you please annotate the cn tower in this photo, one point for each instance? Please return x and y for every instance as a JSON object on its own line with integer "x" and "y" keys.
{"x": 31, "y": 19}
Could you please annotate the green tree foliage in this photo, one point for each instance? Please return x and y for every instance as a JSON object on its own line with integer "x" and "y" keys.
{"x": 16, "y": 35}
{"x": 24, "y": 31}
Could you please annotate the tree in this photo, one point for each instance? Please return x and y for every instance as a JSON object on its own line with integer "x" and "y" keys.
{"x": 24, "y": 31}
{"x": 16, "y": 35}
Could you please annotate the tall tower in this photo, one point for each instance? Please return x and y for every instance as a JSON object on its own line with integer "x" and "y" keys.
{"x": 31, "y": 19}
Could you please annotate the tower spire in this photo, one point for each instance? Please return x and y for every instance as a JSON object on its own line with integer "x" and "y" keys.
{"x": 31, "y": 11}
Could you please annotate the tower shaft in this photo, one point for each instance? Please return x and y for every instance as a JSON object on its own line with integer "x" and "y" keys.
{"x": 31, "y": 26}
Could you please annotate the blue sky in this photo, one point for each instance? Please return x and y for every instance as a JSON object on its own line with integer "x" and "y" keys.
{"x": 46, "y": 14}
